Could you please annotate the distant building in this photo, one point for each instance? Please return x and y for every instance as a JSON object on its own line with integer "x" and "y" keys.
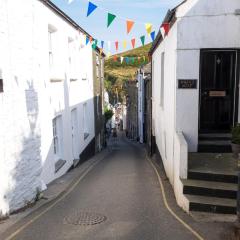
{"x": 98, "y": 73}
{"x": 132, "y": 110}
{"x": 46, "y": 99}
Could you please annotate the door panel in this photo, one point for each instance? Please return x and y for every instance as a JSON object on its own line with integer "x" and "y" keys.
{"x": 217, "y": 90}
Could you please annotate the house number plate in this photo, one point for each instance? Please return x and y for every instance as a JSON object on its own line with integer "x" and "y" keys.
{"x": 187, "y": 83}
{"x": 217, "y": 93}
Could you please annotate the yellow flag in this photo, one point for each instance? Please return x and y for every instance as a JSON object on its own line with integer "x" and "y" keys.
{"x": 109, "y": 54}
{"x": 124, "y": 44}
{"x": 148, "y": 27}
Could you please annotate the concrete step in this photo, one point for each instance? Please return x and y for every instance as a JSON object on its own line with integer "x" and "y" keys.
{"x": 210, "y": 188}
{"x": 215, "y": 136}
{"x": 215, "y": 176}
{"x": 212, "y": 204}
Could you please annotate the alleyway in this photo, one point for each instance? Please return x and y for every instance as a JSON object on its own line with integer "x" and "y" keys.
{"x": 123, "y": 188}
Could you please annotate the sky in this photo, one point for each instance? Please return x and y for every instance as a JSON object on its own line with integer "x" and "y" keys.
{"x": 140, "y": 11}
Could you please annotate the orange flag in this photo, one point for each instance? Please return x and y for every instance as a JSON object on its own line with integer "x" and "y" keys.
{"x": 133, "y": 42}
{"x": 129, "y": 26}
{"x": 116, "y": 45}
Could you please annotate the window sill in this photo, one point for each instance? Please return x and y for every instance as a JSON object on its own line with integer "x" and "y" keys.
{"x": 86, "y": 135}
{"x": 59, "y": 164}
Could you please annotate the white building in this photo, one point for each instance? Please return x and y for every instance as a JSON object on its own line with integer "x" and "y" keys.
{"x": 141, "y": 93}
{"x": 46, "y": 98}
{"x": 195, "y": 83}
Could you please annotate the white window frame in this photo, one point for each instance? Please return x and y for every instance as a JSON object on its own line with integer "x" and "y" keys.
{"x": 57, "y": 136}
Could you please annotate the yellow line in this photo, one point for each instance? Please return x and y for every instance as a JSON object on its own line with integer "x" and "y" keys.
{"x": 54, "y": 204}
{"x": 197, "y": 235}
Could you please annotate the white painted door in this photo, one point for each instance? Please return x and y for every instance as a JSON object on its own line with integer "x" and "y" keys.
{"x": 74, "y": 134}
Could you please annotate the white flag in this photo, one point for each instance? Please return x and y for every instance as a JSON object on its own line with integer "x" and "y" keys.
{"x": 162, "y": 32}
{"x": 122, "y": 58}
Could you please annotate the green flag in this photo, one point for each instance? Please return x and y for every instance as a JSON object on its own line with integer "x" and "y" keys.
{"x": 142, "y": 40}
{"x": 111, "y": 17}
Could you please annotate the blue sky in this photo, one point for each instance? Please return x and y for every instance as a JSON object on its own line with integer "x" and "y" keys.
{"x": 140, "y": 11}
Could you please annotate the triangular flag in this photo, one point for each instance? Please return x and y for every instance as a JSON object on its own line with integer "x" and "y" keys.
{"x": 91, "y": 8}
{"x": 87, "y": 40}
{"x": 148, "y": 27}
{"x": 115, "y": 58}
{"x": 102, "y": 44}
{"x": 110, "y": 19}
{"x": 144, "y": 58}
{"x": 127, "y": 59}
{"x": 122, "y": 58}
{"x": 129, "y": 26}
{"x": 94, "y": 45}
{"x": 153, "y": 35}
{"x": 124, "y": 44}
{"x": 133, "y": 42}
{"x": 162, "y": 32}
{"x": 90, "y": 39}
{"x": 142, "y": 40}
{"x": 166, "y": 27}
{"x": 133, "y": 59}
{"x": 116, "y": 45}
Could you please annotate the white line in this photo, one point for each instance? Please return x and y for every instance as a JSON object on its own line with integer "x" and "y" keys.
{"x": 197, "y": 235}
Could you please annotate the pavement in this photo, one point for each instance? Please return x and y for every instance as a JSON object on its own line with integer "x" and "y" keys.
{"x": 116, "y": 195}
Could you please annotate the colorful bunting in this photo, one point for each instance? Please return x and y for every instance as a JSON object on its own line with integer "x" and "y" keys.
{"x": 115, "y": 58}
{"x": 142, "y": 40}
{"x": 133, "y": 42}
{"x": 127, "y": 60}
{"x": 166, "y": 28}
{"x": 110, "y": 19}
{"x": 87, "y": 40}
{"x": 94, "y": 45}
{"x": 153, "y": 35}
{"x": 129, "y": 26}
{"x": 102, "y": 44}
{"x": 116, "y": 45}
{"x": 148, "y": 27}
{"x": 90, "y": 39}
{"x": 122, "y": 58}
{"x": 91, "y": 8}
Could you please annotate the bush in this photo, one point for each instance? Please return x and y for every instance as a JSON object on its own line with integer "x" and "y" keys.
{"x": 108, "y": 113}
{"x": 236, "y": 134}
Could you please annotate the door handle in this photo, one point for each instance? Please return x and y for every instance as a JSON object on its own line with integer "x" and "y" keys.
{"x": 205, "y": 93}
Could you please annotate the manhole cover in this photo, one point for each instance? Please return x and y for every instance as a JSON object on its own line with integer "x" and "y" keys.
{"x": 85, "y": 218}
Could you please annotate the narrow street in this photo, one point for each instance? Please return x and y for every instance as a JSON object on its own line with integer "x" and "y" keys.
{"x": 124, "y": 188}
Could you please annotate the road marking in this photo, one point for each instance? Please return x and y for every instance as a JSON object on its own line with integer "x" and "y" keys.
{"x": 197, "y": 235}
{"x": 55, "y": 203}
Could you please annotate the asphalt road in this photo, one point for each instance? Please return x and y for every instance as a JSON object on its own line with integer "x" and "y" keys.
{"x": 124, "y": 188}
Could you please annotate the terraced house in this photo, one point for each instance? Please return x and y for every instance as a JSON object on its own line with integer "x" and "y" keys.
{"x": 195, "y": 87}
{"x": 46, "y": 98}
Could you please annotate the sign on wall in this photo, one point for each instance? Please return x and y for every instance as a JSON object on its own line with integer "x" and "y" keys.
{"x": 187, "y": 83}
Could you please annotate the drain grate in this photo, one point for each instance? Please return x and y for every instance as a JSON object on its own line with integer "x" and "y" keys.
{"x": 85, "y": 219}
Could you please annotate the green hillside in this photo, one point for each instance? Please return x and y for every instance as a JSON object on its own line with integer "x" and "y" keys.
{"x": 116, "y": 74}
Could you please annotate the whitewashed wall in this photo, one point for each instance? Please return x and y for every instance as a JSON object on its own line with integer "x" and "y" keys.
{"x": 30, "y": 100}
{"x": 140, "y": 105}
{"x": 200, "y": 24}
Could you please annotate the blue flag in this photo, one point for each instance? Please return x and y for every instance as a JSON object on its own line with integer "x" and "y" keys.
{"x": 153, "y": 35}
{"x": 87, "y": 40}
{"x": 91, "y": 8}
{"x": 102, "y": 44}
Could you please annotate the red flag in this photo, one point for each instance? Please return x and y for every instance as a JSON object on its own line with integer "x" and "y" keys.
{"x": 116, "y": 45}
{"x": 115, "y": 58}
{"x": 90, "y": 39}
{"x": 166, "y": 27}
{"x": 133, "y": 42}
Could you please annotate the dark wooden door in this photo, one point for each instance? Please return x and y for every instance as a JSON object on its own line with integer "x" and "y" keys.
{"x": 217, "y": 90}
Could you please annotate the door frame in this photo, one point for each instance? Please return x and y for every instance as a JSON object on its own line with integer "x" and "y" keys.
{"x": 236, "y": 84}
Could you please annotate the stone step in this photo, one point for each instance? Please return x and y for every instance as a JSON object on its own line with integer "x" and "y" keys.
{"x": 212, "y": 136}
{"x": 214, "y": 147}
{"x": 210, "y": 188}
{"x": 215, "y": 176}
{"x": 211, "y": 204}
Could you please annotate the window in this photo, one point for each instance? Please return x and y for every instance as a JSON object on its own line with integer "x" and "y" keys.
{"x": 51, "y": 32}
{"x": 57, "y": 135}
{"x": 85, "y": 121}
{"x": 162, "y": 79}
{"x": 1, "y": 85}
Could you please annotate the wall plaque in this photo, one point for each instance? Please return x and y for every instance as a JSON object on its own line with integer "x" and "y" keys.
{"x": 187, "y": 83}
